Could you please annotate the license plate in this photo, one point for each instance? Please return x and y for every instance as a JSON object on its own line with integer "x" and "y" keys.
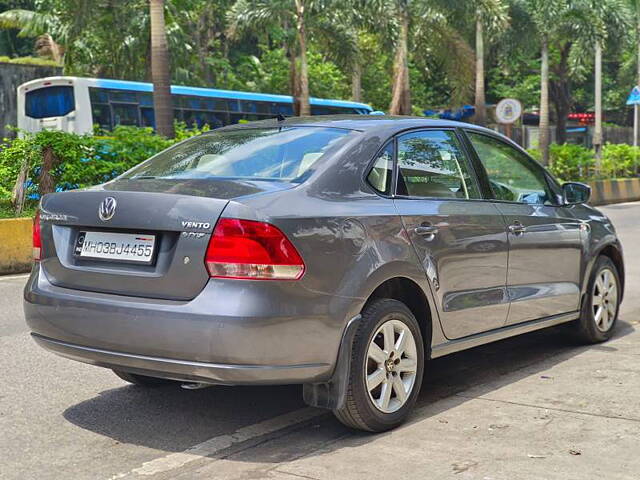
{"x": 118, "y": 247}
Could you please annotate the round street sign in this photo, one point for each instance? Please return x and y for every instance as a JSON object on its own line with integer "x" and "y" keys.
{"x": 508, "y": 110}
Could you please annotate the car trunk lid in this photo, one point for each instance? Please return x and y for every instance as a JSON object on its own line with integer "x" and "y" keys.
{"x": 180, "y": 224}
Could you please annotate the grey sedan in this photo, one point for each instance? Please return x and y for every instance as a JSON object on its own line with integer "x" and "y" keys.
{"x": 340, "y": 253}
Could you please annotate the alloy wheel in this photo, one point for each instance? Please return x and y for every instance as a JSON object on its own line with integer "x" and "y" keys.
{"x": 605, "y": 299}
{"x": 390, "y": 369}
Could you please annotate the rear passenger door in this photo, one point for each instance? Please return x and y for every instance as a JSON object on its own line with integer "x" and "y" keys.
{"x": 459, "y": 237}
{"x": 545, "y": 238}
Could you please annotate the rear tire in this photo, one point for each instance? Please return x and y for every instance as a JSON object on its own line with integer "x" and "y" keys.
{"x": 601, "y": 304}
{"x": 142, "y": 380}
{"x": 387, "y": 365}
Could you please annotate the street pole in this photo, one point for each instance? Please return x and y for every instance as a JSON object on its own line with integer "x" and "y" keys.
{"x": 635, "y": 124}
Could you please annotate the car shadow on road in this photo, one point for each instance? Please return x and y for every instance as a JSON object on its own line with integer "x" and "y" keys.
{"x": 172, "y": 419}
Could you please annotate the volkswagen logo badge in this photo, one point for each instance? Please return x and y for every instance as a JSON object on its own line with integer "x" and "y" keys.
{"x": 107, "y": 209}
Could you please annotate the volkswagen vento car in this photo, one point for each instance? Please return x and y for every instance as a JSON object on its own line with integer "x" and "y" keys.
{"x": 340, "y": 253}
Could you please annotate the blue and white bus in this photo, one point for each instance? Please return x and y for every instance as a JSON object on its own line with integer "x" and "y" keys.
{"x": 74, "y": 104}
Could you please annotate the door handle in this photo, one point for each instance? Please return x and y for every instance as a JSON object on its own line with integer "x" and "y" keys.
{"x": 517, "y": 228}
{"x": 426, "y": 230}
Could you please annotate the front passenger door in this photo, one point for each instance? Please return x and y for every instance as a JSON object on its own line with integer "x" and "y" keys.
{"x": 545, "y": 238}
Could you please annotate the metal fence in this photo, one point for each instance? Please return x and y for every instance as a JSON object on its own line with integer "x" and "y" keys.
{"x": 528, "y": 136}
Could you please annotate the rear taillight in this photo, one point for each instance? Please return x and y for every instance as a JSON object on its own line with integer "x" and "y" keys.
{"x": 246, "y": 249}
{"x": 37, "y": 240}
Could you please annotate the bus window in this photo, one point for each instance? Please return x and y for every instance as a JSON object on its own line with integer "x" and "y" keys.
{"x": 285, "y": 109}
{"x": 236, "y": 117}
{"x": 319, "y": 111}
{"x": 215, "y": 120}
{"x": 255, "y": 107}
{"x": 250, "y": 107}
{"x": 146, "y": 99}
{"x": 124, "y": 114}
{"x": 123, "y": 96}
{"x": 101, "y": 115}
{"x": 147, "y": 117}
{"x": 98, "y": 95}
{"x": 49, "y": 102}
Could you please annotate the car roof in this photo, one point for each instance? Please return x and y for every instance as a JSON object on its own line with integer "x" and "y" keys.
{"x": 358, "y": 122}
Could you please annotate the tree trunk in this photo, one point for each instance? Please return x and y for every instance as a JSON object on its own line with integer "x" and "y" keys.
{"x": 481, "y": 109}
{"x": 401, "y": 90}
{"x": 46, "y": 182}
{"x": 560, "y": 93}
{"x": 292, "y": 57}
{"x": 597, "y": 131}
{"x": 162, "y": 103}
{"x": 544, "y": 102}
{"x": 356, "y": 81}
{"x": 293, "y": 79}
{"x": 562, "y": 108}
{"x": 303, "y": 69}
{"x": 19, "y": 193}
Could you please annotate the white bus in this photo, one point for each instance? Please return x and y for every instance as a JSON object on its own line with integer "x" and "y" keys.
{"x": 74, "y": 104}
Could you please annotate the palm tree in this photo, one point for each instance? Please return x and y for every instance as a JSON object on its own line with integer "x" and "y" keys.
{"x": 337, "y": 33}
{"x": 160, "y": 72}
{"x": 292, "y": 18}
{"x": 401, "y": 87}
{"x": 39, "y": 25}
{"x": 423, "y": 27}
{"x": 492, "y": 15}
{"x": 597, "y": 131}
{"x": 603, "y": 18}
{"x": 304, "y": 107}
{"x": 548, "y": 18}
{"x": 56, "y": 28}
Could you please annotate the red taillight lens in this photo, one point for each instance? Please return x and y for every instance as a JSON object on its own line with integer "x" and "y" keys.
{"x": 37, "y": 240}
{"x": 252, "y": 250}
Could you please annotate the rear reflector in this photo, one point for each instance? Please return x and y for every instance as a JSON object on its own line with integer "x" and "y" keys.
{"x": 245, "y": 249}
{"x": 37, "y": 240}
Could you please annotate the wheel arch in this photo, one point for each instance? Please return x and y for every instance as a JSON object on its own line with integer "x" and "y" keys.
{"x": 332, "y": 393}
{"x": 413, "y": 296}
{"x": 612, "y": 251}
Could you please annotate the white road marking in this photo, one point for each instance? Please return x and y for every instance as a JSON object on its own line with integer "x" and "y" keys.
{"x": 14, "y": 277}
{"x": 222, "y": 442}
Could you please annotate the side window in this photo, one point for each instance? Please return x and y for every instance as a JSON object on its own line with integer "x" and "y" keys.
{"x": 382, "y": 172}
{"x": 513, "y": 176}
{"x": 431, "y": 163}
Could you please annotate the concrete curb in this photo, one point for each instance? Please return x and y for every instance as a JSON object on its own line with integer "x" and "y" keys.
{"x": 15, "y": 245}
{"x": 614, "y": 191}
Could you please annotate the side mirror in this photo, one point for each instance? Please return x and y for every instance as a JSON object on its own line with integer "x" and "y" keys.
{"x": 575, "y": 193}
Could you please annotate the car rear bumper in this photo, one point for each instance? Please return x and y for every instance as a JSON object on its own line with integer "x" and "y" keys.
{"x": 233, "y": 332}
{"x": 184, "y": 370}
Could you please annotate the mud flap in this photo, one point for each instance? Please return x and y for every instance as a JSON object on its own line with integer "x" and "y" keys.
{"x": 332, "y": 394}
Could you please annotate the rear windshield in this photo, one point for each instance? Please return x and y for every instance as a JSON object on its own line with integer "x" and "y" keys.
{"x": 260, "y": 154}
{"x": 49, "y": 102}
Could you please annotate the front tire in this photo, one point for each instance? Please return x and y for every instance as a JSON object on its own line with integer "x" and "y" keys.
{"x": 601, "y": 304}
{"x": 387, "y": 365}
{"x": 142, "y": 380}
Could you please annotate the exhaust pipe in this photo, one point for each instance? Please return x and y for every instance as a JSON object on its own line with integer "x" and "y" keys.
{"x": 195, "y": 386}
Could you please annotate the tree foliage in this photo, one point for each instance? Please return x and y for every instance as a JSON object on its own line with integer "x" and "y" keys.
{"x": 351, "y": 45}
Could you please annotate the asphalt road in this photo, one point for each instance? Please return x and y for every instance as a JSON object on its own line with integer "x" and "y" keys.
{"x": 530, "y": 407}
